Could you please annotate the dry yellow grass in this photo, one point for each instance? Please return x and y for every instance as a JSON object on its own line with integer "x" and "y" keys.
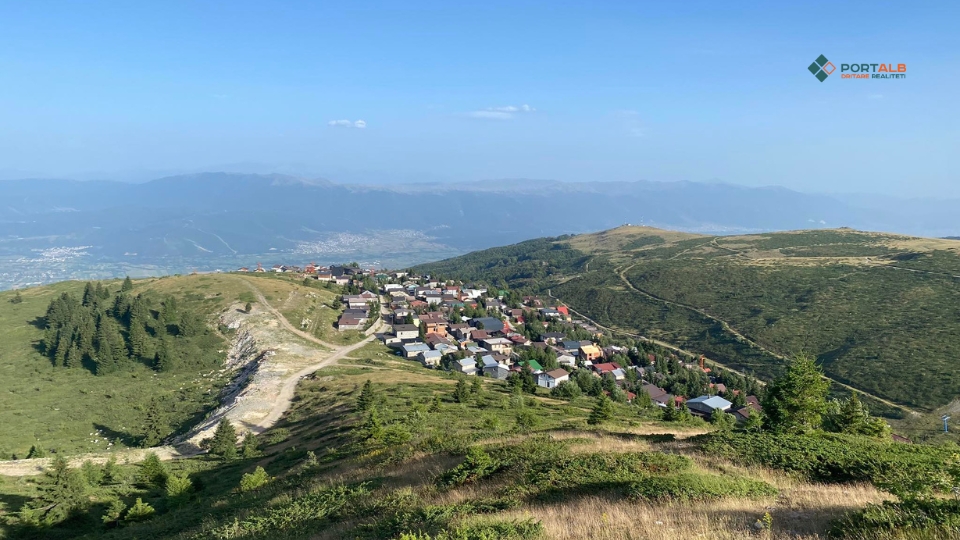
{"x": 801, "y": 511}
{"x": 615, "y": 239}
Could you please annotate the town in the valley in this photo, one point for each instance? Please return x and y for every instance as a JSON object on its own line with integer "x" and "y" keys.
{"x": 474, "y": 330}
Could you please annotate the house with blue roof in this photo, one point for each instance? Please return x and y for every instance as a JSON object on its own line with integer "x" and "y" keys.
{"x": 705, "y": 405}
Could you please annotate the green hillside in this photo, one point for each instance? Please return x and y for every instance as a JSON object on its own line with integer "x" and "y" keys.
{"x": 880, "y": 312}
{"x": 382, "y": 448}
{"x": 133, "y": 402}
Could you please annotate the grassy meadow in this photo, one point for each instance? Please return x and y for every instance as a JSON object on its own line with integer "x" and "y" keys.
{"x": 496, "y": 465}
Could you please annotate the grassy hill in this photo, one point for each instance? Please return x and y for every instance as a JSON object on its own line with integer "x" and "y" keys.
{"x": 881, "y": 312}
{"x": 74, "y": 411}
{"x": 496, "y": 465}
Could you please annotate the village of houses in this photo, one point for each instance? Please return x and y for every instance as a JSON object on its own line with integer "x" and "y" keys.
{"x": 427, "y": 325}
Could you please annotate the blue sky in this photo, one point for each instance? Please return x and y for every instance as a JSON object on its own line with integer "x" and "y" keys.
{"x": 573, "y": 91}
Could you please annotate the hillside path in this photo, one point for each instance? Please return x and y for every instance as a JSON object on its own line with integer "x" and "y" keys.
{"x": 283, "y": 320}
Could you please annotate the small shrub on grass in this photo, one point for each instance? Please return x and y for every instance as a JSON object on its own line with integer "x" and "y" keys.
{"x": 830, "y": 457}
{"x": 114, "y": 512}
{"x": 526, "y": 421}
{"x": 695, "y": 487}
{"x": 254, "y": 481}
{"x": 311, "y": 508}
{"x": 927, "y": 518}
{"x": 178, "y": 488}
{"x": 140, "y": 511}
{"x": 277, "y": 436}
{"x": 478, "y": 464}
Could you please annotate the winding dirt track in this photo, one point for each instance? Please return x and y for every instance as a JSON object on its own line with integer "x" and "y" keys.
{"x": 31, "y": 467}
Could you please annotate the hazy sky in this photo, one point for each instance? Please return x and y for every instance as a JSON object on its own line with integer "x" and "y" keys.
{"x": 575, "y": 91}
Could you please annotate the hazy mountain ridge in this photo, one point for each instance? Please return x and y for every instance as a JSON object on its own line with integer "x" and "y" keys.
{"x": 246, "y": 217}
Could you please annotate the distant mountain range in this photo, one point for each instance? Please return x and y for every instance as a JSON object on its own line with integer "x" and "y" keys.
{"x": 221, "y": 214}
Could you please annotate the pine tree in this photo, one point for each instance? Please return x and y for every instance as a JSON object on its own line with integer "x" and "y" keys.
{"x": 156, "y": 426}
{"x": 137, "y": 337}
{"x": 796, "y": 401}
{"x": 152, "y": 472}
{"x": 114, "y": 512}
{"x": 178, "y": 488}
{"x": 166, "y": 358}
{"x": 372, "y": 428}
{"x": 89, "y": 295}
{"x": 365, "y": 401}
{"x": 435, "y": 406}
{"x": 86, "y": 335}
{"x": 602, "y": 410}
{"x": 224, "y": 443}
{"x": 140, "y": 511}
{"x": 248, "y": 308}
{"x": 248, "y": 448}
{"x": 74, "y": 357}
{"x": 754, "y": 421}
{"x": 722, "y": 420}
{"x": 111, "y": 472}
{"x": 127, "y": 284}
{"x": 461, "y": 393}
{"x": 170, "y": 315}
{"x": 17, "y": 299}
{"x": 476, "y": 386}
{"x": 62, "y": 494}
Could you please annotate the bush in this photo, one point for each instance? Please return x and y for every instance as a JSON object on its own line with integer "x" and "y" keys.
{"x": 695, "y": 487}
{"x": 830, "y": 457}
{"x": 928, "y": 518}
{"x": 568, "y": 390}
{"x": 140, "y": 511}
{"x": 178, "y": 487}
{"x": 114, "y": 512}
{"x": 254, "y": 481}
{"x": 277, "y": 436}
{"x": 478, "y": 464}
{"x": 310, "y": 508}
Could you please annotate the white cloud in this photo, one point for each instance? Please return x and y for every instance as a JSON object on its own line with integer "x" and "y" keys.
{"x": 360, "y": 124}
{"x": 504, "y": 112}
{"x": 497, "y": 115}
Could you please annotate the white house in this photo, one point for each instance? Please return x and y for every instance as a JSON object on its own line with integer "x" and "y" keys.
{"x": 550, "y": 379}
{"x": 467, "y": 366}
{"x": 567, "y": 360}
{"x": 430, "y": 358}
{"x": 406, "y": 331}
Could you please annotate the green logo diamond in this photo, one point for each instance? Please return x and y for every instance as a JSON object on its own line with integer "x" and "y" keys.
{"x": 821, "y": 68}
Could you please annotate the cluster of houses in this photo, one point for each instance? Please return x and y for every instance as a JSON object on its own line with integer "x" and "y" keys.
{"x": 357, "y": 313}
{"x": 340, "y": 275}
{"x": 489, "y": 346}
{"x": 422, "y": 329}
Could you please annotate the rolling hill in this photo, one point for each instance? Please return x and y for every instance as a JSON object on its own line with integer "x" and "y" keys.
{"x": 71, "y": 410}
{"x": 881, "y": 312}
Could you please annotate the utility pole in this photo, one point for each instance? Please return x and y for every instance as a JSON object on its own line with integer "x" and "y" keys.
{"x": 945, "y": 418}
